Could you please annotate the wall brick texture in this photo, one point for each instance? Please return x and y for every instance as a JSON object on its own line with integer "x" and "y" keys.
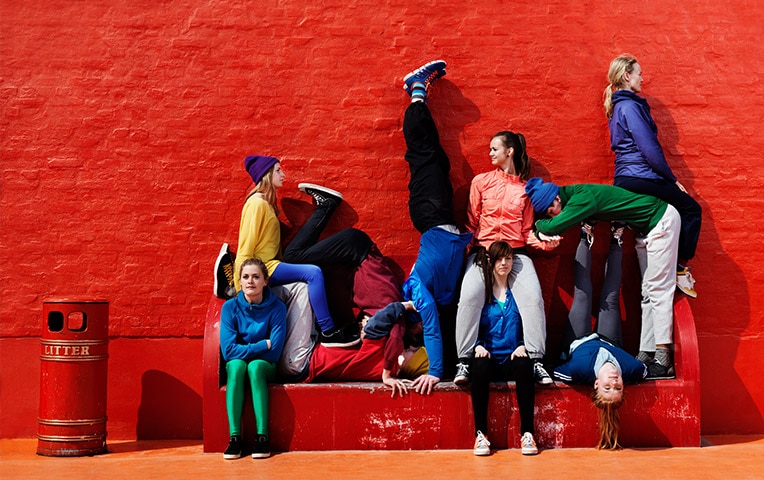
{"x": 125, "y": 124}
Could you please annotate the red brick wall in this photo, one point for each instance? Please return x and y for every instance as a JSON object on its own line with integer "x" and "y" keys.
{"x": 124, "y": 127}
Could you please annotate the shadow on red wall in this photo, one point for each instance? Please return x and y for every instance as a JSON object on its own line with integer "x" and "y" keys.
{"x": 169, "y": 408}
{"x": 719, "y": 341}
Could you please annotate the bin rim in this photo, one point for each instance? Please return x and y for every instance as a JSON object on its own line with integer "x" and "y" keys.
{"x": 75, "y": 299}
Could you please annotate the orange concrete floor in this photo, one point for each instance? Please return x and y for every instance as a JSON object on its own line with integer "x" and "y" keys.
{"x": 723, "y": 457}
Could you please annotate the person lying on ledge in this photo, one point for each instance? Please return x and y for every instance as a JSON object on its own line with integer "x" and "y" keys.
{"x": 390, "y": 349}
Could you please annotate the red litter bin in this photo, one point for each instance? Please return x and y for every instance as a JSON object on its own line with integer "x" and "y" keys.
{"x": 74, "y": 354}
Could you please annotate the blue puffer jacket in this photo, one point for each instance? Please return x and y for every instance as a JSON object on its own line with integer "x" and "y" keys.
{"x": 634, "y": 139}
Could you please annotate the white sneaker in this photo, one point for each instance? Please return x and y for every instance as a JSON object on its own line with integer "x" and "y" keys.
{"x": 462, "y": 374}
{"x": 482, "y": 445}
{"x": 541, "y": 375}
{"x": 528, "y": 444}
{"x": 685, "y": 283}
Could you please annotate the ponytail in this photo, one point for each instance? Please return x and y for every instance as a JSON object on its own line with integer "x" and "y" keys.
{"x": 620, "y": 66}
{"x": 520, "y": 160}
{"x": 607, "y": 96}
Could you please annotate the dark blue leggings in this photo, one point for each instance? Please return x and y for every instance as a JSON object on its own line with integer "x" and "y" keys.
{"x": 689, "y": 210}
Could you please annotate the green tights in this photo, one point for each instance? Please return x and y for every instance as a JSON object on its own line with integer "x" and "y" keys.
{"x": 260, "y": 372}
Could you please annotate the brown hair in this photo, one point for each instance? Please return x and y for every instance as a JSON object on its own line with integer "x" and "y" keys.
{"x": 609, "y": 421}
{"x": 620, "y": 66}
{"x": 255, "y": 261}
{"x": 486, "y": 259}
{"x": 516, "y": 141}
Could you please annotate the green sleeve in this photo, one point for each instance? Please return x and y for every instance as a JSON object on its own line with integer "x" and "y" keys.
{"x": 580, "y": 204}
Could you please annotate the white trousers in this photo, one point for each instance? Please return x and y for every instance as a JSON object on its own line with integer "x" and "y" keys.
{"x": 657, "y": 254}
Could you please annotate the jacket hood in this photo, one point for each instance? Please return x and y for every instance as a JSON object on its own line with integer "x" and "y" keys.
{"x": 268, "y": 299}
{"x": 622, "y": 95}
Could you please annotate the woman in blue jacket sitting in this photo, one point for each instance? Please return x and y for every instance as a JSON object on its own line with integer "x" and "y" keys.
{"x": 252, "y": 332}
{"x": 596, "y": 358}
{"x": 500, "y": 351}
{"x": 640, "y": 165}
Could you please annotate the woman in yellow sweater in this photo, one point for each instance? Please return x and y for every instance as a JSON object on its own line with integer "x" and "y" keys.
{"x": 260, "y": 237}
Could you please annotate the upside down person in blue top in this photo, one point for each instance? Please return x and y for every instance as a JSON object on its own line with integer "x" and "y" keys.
{"x": 437, "y": 271}
{"x": 596, "y": 358}
{"x": 252, "y": 332}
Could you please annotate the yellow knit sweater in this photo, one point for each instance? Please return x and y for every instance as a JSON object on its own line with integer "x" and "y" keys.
{"x": 259, "y": 236}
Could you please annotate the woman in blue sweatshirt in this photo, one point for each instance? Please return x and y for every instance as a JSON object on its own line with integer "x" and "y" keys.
{"x": 252, "y": 332}
{"x": 499, "y": 353}
{"x": 640, "y": 165}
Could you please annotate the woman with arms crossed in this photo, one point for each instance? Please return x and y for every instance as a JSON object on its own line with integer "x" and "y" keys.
{"x": 252, "y": 330}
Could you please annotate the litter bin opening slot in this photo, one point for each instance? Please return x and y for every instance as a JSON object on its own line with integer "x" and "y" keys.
{"x": 75, "y": 321}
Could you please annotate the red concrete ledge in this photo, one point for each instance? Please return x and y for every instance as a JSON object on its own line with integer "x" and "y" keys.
{"x": 362, "y": 416}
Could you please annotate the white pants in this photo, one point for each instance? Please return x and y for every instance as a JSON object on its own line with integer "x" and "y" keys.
{"x": 525, "y": 287}
{"x": 657, "y": 254}
{"x": 301, "y": 333}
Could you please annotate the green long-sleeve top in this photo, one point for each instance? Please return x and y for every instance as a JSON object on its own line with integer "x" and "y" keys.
{"x": 603, "y": 202}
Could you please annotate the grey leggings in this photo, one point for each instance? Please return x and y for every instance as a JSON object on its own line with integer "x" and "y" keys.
{"x": 525, "y": 287}
{"x": 609, "y": 316}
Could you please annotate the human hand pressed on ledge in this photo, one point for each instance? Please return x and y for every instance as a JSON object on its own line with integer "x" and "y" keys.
{"x": 398, "y": 385}
{"x": 481, "y": 352}
{"x": 519, "y": 352}
{"x": 424, "y": 384}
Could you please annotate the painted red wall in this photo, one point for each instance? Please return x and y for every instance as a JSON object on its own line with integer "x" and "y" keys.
{"x": 124, "y": 127}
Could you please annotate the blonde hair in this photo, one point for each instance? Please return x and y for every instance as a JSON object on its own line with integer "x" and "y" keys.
{"x": 619, "y": 67}
{"x": 609, "y": 421}
{"x": 265, "y": 188}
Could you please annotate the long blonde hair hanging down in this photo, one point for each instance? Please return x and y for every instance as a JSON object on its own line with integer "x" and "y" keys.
{"x": 619, "y": 67}
{"x": 265, "y": 188}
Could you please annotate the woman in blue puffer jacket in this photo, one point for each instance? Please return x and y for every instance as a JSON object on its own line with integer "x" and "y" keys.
{"x": 640, "y": 165}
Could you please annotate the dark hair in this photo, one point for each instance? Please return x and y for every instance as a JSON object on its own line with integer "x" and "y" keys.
{"x": 486, "y": 259}
{"x": 516, "y": 141}
{"x": 259, "y": 263}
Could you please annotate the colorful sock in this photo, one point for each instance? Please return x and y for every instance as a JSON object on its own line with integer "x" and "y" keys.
{"x": 418, "y": 92}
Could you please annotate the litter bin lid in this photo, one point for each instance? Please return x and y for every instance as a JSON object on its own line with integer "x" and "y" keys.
{"x": 75, "y": 299}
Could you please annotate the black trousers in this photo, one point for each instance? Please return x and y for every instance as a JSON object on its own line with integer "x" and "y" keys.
{"x": 347, "y": 247}
{"x": 430, "y": 190}
{"x": 483, "y": 370}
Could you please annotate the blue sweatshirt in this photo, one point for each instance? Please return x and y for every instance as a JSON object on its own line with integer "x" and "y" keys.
{"x": 244, "y": 327}
{"x": 634, "y": 139}
{"x": 434, "y": 281}
{"x": 501, "y": 329}
{"x": 579, "y": 368}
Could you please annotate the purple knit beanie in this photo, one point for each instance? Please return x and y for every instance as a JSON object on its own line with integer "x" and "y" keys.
{"x": 541, "y": 194}
{"x": 258, "y": 165}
